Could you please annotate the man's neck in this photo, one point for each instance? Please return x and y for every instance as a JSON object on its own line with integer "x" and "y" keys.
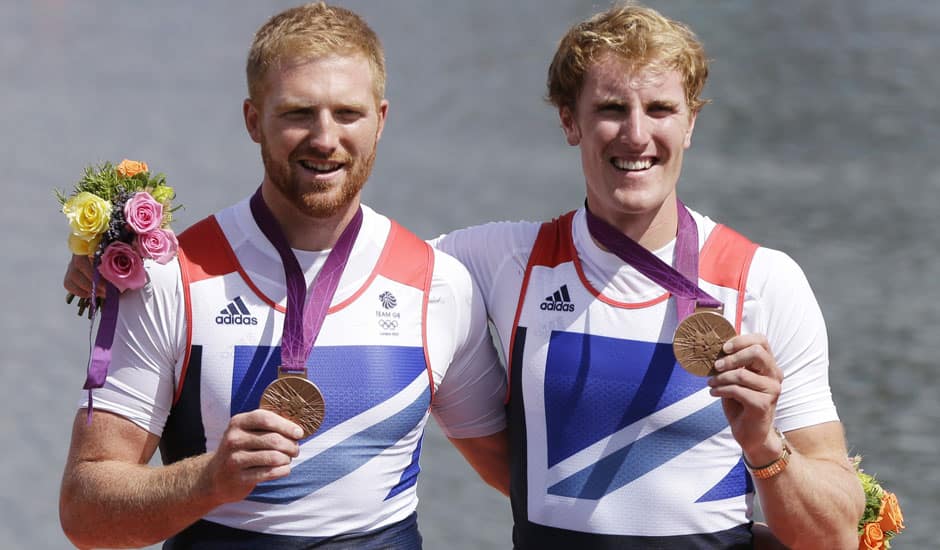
{"x": 651, "y": 230}
{"x": 304, "y": 232}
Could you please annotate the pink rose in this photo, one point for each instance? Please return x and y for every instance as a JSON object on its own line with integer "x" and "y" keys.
{"x": 122, "y": 267}
{"x": 159, "y": 245}
{"x": 143, "y": 213}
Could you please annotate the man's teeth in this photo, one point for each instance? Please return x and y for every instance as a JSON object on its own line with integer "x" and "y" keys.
{"x": 641, "y": 164}
{"x": 320, "y": 166}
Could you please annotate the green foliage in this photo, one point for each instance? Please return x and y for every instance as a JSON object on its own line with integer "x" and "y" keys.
{"x": 873, "y": 495}
{"x": 105, "y": 181}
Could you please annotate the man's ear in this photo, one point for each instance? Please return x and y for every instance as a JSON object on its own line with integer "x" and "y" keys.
{"x": 252, "y": 120}
{"x": 569, "y": 125}
{"x": 382, "y": 112}
{"x": 688, "y": 133}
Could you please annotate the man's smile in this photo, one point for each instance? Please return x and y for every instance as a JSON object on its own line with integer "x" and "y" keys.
{"x": 321, "y": 167}
{"x": 635, "y": 165}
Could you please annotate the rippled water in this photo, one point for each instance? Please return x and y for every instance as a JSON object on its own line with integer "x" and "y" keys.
{"x": 821, "y": 141}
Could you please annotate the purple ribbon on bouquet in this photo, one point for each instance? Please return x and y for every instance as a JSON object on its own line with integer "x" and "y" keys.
{"x": 99, "y": 360}
{"x": 681, "y": 281}
{"x": 304, "y": 321}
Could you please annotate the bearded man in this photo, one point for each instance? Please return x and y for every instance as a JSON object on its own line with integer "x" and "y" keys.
{"x": 389, "y": 331}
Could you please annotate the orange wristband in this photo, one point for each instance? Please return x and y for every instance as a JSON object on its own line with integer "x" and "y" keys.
{"x": 770, "y": 470}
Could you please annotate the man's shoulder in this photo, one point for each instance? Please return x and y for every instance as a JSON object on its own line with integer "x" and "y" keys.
{"x": 192, "y": 234}
{"x": 450, "y": 271}
{"x": 767, "y": 267}
{"x": 497, "y": 239}
{"x": 204, "y": 249}
{"x": 209, "y": 241}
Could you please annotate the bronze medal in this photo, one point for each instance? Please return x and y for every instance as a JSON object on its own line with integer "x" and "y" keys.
{"x": 698, "y": 341}
{"x": 297, "y": 399}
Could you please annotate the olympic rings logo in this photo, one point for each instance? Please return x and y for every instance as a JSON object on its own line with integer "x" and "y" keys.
{"x": 388, "y": 324}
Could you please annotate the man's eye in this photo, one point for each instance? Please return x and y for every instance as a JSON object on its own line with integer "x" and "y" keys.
{"x": 661, "y": 110}
{"x": 297, "y": 114}
{"x": 348, "y": 115}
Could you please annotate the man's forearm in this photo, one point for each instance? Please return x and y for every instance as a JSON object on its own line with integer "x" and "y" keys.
{"x": 814, "y": 503}
{"x": 115, "y": 504}
{"x": 489, "y": 456}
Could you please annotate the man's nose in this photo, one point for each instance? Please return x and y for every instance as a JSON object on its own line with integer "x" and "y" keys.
{"x": 636, "y": 129}
{"x": 324, "y": 133}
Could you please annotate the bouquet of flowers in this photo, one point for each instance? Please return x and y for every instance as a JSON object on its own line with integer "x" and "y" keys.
{"x": 119, "y": 216}
{"x": 882, "y": 519}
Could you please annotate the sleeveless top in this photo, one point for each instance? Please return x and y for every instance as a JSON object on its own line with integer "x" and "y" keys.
{"x": 616, "y": 445}
{"x": 358, "y": 472}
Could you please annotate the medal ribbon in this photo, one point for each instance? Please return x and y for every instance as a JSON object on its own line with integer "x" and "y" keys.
{"x": 303, "y": 321}
{"x": 99, "y": 360}
{"x": 681, "y": 281}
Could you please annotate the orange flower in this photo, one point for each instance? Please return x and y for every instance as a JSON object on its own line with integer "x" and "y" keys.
{"x": 891, "y": 517}
{"x": 130, "y": 168}
{"x": 873, "y": 538}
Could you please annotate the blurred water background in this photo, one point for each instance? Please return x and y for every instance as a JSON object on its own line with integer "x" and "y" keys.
{"x": 821, "y": 140}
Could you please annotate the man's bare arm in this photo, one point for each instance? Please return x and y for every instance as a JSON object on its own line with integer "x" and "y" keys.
{"x": 489, "y": 456}
{"x": 111, "y": 497}
{"x": 817, "y": 500}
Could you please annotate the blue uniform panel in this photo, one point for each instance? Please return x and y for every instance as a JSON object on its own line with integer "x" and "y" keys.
{"x": 353, "y": 379}
{"x": 596, "y": 385}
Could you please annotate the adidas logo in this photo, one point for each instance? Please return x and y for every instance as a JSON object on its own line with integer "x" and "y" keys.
{"x": 558, "y": 301}
{"x": 235, "y": 313}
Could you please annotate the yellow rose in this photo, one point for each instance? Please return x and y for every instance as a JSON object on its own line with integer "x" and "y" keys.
{"x": 163, "y": 194}
{"x": 88, "y": 214}
{"x": 130, "y": 168}
{"x": 80, "y": 246}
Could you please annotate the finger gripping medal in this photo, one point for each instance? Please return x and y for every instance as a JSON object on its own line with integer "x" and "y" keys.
{"x": 698, "y": 341}
{"x": 297, "y": 399}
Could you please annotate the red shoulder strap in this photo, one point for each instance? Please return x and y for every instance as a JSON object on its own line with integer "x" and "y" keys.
{"x": 412, "y": 264}
{"x": 726, "y": 260}
{"x": 206, "y": 250}
{"x": 408, "y": 260}
{"x": 553, "y": 246}
{"x": 200, "y": 258}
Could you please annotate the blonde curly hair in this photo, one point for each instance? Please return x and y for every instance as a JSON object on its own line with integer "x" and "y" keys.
{"x": 642, "y": 37}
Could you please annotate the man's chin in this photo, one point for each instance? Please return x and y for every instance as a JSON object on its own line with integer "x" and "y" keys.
{"x": 324, "y": 204}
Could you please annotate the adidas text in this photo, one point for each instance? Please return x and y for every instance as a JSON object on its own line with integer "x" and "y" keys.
{"x": 230, "y": 319}
{"x": 556, "y": 306}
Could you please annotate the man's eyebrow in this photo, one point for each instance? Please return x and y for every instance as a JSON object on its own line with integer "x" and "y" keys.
{"x": 354, "y": 105}
{"x": 612, "y": 98}
{"x": 288, "y": 105}
{"x": 610, "y": 101}
{"x": 293, "y": 105}
{"x": 663, "y": 104}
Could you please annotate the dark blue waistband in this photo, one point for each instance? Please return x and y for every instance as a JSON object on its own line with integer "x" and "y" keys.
{"x": 532, "y": 536}
{"x": 206, "y": 535}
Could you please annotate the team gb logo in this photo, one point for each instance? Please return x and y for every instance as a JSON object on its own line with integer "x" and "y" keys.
{"x": 388, "y": 300}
